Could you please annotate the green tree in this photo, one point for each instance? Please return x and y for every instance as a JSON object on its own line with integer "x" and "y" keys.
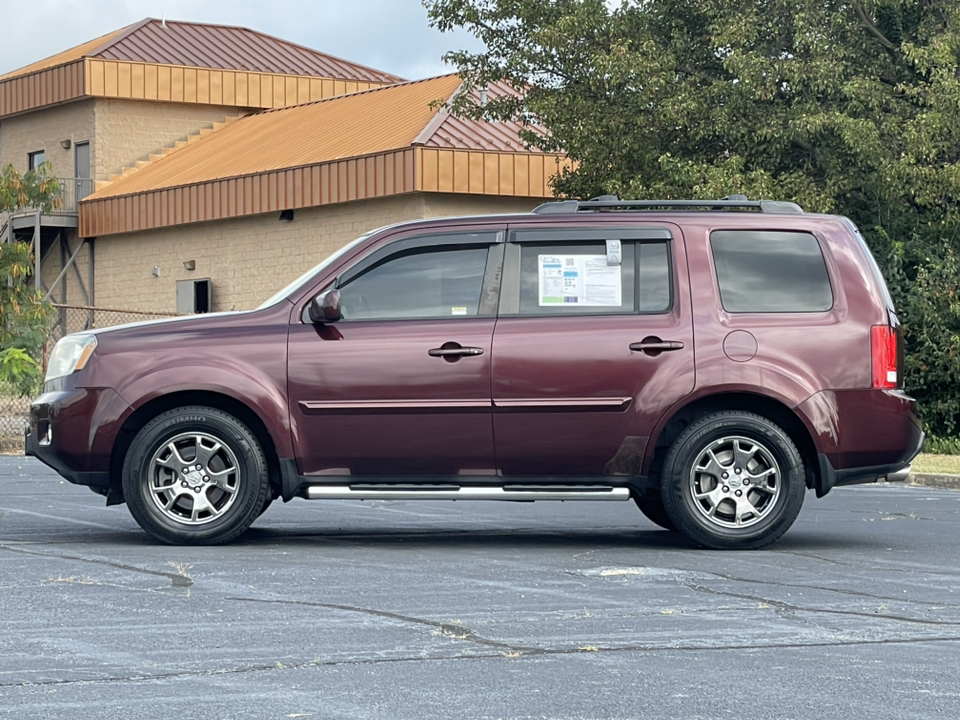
{"x": 24, "y": 317}
{"x": 845, "y": 106}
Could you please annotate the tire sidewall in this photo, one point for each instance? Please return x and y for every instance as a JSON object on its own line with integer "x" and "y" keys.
{"x": 252, "y": 488}
{"x": 677, "y": 492}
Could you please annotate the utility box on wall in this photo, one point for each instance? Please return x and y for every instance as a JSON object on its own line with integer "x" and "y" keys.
{"x": 194, "y": 296}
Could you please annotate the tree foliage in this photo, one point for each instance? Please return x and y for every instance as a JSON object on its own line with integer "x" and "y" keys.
{"x": 24, "y": 317}
{"x": 845, "y": 106}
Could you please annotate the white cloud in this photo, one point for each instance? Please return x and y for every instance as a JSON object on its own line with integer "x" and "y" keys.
{"x": 390, "y": 35}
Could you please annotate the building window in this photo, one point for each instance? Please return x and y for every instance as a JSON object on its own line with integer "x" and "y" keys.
{"x": 36, "y": 159}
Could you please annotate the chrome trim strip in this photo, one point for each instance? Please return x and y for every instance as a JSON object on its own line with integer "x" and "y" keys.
{"x": 346, "y": 492}
{"x": 315, "y": 406}
{"x": 614, "y": 403}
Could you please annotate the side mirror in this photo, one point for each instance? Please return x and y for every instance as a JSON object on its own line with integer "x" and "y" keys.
{"x": 325, "y": 308}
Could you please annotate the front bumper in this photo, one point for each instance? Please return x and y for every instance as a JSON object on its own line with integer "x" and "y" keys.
{"x": 73, "y": 431}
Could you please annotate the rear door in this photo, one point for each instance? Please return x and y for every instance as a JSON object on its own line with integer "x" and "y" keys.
{"x": 589, "y": 349}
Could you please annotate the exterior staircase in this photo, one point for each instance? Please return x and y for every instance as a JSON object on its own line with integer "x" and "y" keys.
{"x": 181, "y": 143}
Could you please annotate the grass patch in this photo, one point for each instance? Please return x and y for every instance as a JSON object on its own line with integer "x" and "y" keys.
{"x": 937, "y": 464}
{"x": 11, "y": 444}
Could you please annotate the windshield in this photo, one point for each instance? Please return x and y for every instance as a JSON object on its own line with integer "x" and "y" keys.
{"x": 303, "y": 279}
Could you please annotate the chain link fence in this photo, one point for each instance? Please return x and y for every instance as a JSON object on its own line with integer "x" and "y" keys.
{"x": 14, "y": 411}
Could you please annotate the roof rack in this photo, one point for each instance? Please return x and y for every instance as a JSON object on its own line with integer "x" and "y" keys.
{"x": 613, "y": 203}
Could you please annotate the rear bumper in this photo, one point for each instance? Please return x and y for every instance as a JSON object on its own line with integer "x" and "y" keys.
{"x": 863, "y": 435}
{"x": 831, "y": 477}
{"x": 73, "y": 431}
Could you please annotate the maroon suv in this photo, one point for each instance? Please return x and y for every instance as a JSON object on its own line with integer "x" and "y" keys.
{"x": 711, "y": 360}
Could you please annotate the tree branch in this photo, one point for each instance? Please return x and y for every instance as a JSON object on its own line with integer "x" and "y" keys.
{"x": 872, "y": 29}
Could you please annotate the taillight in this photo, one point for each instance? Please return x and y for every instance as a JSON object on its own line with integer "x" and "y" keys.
{"x": 883, "y": 351}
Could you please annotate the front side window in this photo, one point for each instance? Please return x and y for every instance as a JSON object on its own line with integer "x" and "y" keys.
{"x": 35, "y": 159}
{"x": 577, "y": 278}
{"x": 768, "y": 271}
{"x": 431, "y": 282}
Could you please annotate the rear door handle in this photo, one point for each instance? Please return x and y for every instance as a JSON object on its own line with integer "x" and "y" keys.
{"x": 653, "y": 346}
{"x": 444, "y": 352}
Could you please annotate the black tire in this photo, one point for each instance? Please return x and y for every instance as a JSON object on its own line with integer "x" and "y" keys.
{"x": 195, "y": 476}
{"x": 652, "y": 508}
{"x": 750, "y": 484}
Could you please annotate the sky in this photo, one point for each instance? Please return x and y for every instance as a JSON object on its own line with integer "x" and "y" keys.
{"x": 389, "y": 35}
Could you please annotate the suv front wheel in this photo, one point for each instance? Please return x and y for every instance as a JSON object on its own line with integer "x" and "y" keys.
{"x": 195, "y": 476}
{"x": 733, "y": 480}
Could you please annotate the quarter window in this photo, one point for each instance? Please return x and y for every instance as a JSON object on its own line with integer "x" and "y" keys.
{"x": 422, "y": 283}
{"x": 765, "y": 272}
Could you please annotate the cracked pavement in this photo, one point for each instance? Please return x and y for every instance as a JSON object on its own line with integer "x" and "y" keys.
{"x": 397, "y": 609}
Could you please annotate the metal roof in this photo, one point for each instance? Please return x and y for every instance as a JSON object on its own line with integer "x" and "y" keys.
{"x": 210, "y": 46}
{"x": 450, "y": 131}
{"x": 364, "y": 123}
{"x": 67, "y": 56}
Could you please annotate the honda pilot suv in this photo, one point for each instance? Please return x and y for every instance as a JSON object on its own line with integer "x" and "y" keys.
{"x": 710, "y": 360}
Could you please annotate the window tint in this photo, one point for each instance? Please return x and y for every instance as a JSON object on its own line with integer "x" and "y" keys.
{"x": 575, "y": 279}
{"x": 654, "y": 277}
{"x": 430, "y": 283}
{"x": 770, "y": 271}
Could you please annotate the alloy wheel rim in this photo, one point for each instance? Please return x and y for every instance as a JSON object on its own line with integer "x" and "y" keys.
{"x": 735, "y": 482}
{"x": 193, "y": 478}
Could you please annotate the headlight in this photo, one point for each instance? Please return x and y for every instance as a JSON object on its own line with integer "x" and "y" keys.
{"x": 70, "y": 354}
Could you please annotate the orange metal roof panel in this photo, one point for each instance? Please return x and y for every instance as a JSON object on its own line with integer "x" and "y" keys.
{"x": 350, "y": 126}
{"x": 211, "y": 46}
{"x": 232, "y": 48}
{"x": 74, "y": 53}
{"x": 463, "y": 134}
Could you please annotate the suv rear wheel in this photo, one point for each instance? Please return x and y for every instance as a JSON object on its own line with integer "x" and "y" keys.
{"x": 195, "y": 476}
{"x": 733, "y": 480}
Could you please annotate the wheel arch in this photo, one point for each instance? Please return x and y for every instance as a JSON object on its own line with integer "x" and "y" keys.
{"x": 220, "y": 401}
{"x": 763, "y": 405}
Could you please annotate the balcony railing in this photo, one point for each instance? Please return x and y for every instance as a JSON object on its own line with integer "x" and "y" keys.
{"x": 72, "y": 191}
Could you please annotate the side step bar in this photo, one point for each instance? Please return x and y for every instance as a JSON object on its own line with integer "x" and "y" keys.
{"x": 455, "y": 492}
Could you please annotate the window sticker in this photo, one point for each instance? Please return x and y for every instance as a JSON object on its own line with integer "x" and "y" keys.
{"x": 578, "y": 280}
{"x": 458, "y": 311}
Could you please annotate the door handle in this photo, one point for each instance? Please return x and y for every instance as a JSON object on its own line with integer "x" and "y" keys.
{"x": 652, "y": 346}
{"x": 454, "y": 352}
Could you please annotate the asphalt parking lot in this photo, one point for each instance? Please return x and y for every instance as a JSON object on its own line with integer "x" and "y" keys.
{"x": 399, "y": 610}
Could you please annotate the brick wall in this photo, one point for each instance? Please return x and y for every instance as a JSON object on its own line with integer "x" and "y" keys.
{"x": 249, "y": 259}
{"x": 129, "y": 130}
{"x": 43, "y": 130}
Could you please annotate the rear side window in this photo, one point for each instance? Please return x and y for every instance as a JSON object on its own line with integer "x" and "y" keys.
{"x": 575, "y": 278}
{"x": 767, "y": 272}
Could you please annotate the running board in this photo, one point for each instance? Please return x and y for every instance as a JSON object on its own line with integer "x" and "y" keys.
{"x": 454, "y": 492}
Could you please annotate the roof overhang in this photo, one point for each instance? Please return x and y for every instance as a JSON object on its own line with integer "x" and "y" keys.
{"x": 396, "y": 172}
{"x": 92, "y": 77}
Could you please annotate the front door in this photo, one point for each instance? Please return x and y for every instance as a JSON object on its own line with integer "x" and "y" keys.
{"x": 593, "y": 344}
{"x": 401, "y": 385}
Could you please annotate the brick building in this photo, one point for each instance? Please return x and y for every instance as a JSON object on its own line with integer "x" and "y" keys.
{"x": 205, "y": 166}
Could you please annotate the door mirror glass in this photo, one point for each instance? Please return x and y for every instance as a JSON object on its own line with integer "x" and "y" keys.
{"x": 325, "y": 308}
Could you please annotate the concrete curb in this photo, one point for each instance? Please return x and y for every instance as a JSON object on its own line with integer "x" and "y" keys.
{"x": 937, "y": 480}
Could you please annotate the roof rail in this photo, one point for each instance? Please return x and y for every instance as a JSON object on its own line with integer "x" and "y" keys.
{"x": 613, "y": 203}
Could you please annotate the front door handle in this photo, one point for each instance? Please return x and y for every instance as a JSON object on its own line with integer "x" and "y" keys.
{"x": 451, "y": 351}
